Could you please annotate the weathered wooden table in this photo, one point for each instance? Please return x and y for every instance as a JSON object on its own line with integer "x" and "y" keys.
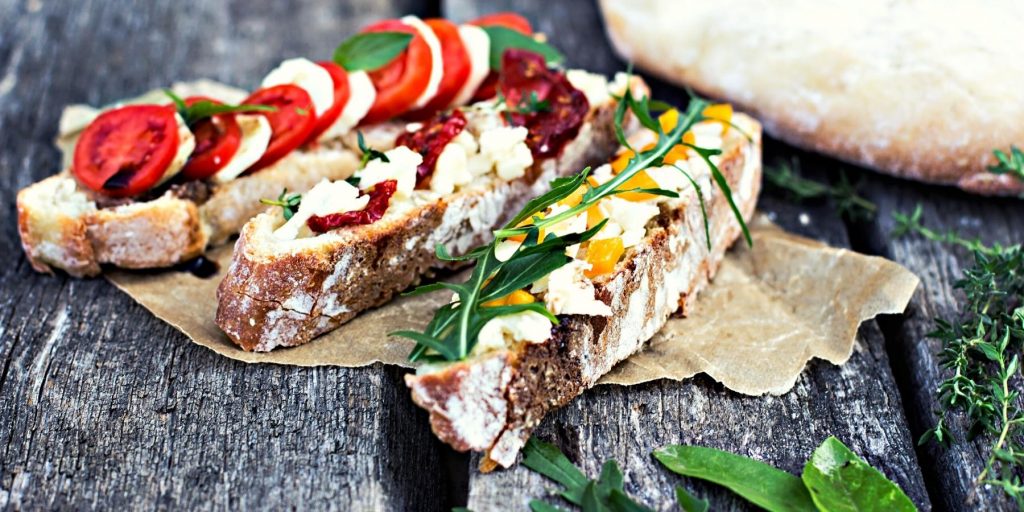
{"x": 103, "y": 406}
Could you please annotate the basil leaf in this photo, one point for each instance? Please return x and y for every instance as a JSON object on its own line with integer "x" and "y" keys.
{"x": 371, "y": 50}
{"x": 202, "y": 109}
{"x": 757, "y": 482}
{"x": 840, "y": 480}
{"x": 690, "y": 503}
{"x": 503, "y": 38}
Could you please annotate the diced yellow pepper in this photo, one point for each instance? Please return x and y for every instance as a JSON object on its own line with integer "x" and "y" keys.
{"x": 603, "y": 255}
{"x": 721, "y": 112}
{"x": 575, "y": 198}
{"x": 639, "y": 180}
{"x": 515, "y": 298}
{"x": 668, "y": 120}
{"x": 594, "y": 216}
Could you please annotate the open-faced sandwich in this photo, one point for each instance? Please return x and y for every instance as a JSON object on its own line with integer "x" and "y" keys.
{"x": 153, "y": 182}
{"x": 349, "y": 245}
{"x": 584, "y": 275}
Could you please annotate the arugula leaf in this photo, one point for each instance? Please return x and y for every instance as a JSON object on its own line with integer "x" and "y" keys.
{"x": 690, "y": 503}
{"x": 560, "y": 188}
{"x": 543, "y": 506}
{"x": 288, "y": 203}
{"x": 202, "y": 109}
{"x": 1012, "y": 163}
{"x": 370, "y": 51}
{"x": 840, "y": 480}
{"x": 604, "y": 494}
{"x": 757, "y": 482}
{"x": 503, "y": 38}
{"x": 723, "y": 184}
{"x": 548, "y": 460}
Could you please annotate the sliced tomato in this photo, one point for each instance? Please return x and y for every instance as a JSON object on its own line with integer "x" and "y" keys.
{"x": 489, "y": 88}
{"x": 125, "y": 151}
{"x": 291, "y": 122}
{"x": 401, "y": 82}
{"x": 504, "y": 19}
{"x": 217, "y": 140}
{"x": 456, "y": 68}
{"x": 341, "y": 94}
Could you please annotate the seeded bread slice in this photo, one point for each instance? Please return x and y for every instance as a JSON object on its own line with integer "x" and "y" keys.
{"x": 285, "y": 293}
{"x": 492, "y": 402}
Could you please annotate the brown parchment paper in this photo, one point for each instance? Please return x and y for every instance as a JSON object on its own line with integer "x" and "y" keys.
{"x": 769, "y": 311}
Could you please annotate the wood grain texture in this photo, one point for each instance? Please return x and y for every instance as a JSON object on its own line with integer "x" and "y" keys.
{"x": 105, "y": 407}
{"x": 858, "y": 402}
{"x": 950, "y": 472}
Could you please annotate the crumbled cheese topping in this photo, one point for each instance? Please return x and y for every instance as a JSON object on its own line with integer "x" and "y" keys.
{"x": 503, "y": 149}
{"x": 568, "y": 292}
{"x": 325, "y": 198}
{"x": 401, "y": 167}
{"x": 629, "y": 218}
{"x": 593, "y": 86}
{"x": 452, "y": 168}
{"x": 499, "y": 332}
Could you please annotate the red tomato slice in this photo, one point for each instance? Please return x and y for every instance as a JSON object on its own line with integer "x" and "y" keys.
{"x": 290, "y": 124}
{"x": 456, "y": 67}
{"x": 126, "y": 151}
{"x": 341, "y": 94}
{"x": 401, "y": 82}
{"x": 217, "y": 140}
{"x": 504, "y": 19}
{"x": 489, "y": 88}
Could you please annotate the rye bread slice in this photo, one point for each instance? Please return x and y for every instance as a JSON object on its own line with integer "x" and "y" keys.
{"x": 285, "y": 293}
{"x": 492, "y": 402}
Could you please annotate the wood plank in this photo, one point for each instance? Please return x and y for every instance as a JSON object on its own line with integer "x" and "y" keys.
{"x": 105, "y": 407}
{"x": 858, "y": 402}
{"x": 950, "y": 473}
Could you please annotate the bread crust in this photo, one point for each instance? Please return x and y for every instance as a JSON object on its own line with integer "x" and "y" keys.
{"x": 62, "y": 227}
{"x": 917, "y": 90}
{"x": 493, "y": 402}
{"x": 279, "y": 297}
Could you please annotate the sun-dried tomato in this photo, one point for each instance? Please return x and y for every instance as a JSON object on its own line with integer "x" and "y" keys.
{"x": 380, "y": 196}
{"x": 431, "y": 139}
{"x": 541, "y": 99}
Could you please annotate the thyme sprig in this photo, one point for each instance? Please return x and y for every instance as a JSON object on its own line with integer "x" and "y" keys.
{"x": 980, "y": 350}
{"x": 785, "y": 175}
{"x": 289, "y": 203}
{"x": 1011, "y": 163}
{"x": 453, "y": 331}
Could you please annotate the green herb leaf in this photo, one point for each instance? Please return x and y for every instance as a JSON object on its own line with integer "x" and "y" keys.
{"x": 757, "y": 482}
{"x": 288, "y": 203}
{"x": 1012, "y": 163}
{"x": 370, "y": 51}
{"x": 503, "y": 38}
{"x": 840, "y": 480}
{"x": 604, "y": 494}
{"x": 723, "y": 184}
{"x": 690, "y": 503}
{"x": 542, "y": 506}
{"x": 785, "y": 176}
{"x": 548, "y": 460}
{"x": 368, "y": 152}
{"x": 203, "y": 109}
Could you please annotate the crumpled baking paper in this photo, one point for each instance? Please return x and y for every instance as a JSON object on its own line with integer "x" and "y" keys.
{"x": 769, "y": 311}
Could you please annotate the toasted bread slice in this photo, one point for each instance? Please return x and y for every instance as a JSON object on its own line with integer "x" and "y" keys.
{"x": 66, "y": 226}
{"x": 285, "y": 293}
{"x": 492, "y": 401}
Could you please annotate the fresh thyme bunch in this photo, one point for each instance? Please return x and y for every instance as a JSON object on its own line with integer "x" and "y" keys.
{"x": 453, "y": 331}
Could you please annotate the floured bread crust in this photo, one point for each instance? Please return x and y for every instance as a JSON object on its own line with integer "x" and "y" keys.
{"x": 919, "y": 89}
{"x": 493, "y": 402}
{"x": 282, "y": 294}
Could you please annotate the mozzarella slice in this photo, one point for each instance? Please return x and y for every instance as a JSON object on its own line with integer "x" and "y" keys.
{"x": 401, "y": 167}
{"x": 362, "y": 94}
{"x": 436, "y": 61}
{"x": 479, "y": 47}
{"x": 325, "y": 198}
{"x": 308, "y": 75}
{"x": 186, "y": 143}
{"x": 256, "y": 134}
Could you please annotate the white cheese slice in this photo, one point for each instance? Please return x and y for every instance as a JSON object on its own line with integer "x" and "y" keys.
{"x": 186, "y": 143}
{"x": 256, "y": 134}
{"x": 308, "y": 75}
{"x": 499, "y": 332}
{"x": 478, "y": 45}
{"x": 325, "y": 198}
{"x": 567, "y": 291}
{"x": 361, "y": 96}
{"x": 401, "y": 167}
{"x": 436, "y": 60}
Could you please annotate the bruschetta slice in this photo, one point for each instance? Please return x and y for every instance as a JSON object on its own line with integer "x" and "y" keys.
{"x": 631, "y": 260}
{"x": 449, "y": 180}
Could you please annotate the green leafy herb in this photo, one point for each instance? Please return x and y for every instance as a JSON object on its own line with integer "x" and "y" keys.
{"x": 453, "y": 331}
{"x": 368, "y": 152}
{"x": 690, "y": 503}
{"x": 1012, "y": 163}
{"x": 202, "y": 109}
{"x": 528, "y": 105}
{"x": 757, "y": 482}
{"x": 980, "y": 351}
{"x": 288, "y": 203}
{"x": 503, "y": 38}
{"x": 371, "y": 50}
{"x": 785, "y": 175}
{"x": 840, "y": 480}
{"x": 604, "y": 494}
